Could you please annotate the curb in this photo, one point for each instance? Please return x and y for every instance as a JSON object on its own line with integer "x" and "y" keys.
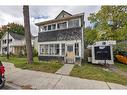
{"x": 12, "y": 86}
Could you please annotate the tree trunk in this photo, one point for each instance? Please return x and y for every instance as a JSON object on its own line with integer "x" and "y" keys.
{"x": 29, "y": 49}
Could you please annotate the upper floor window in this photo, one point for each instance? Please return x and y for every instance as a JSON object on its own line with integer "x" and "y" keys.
{"x": 53, "y": 26}
{"x": 73, "y": 23}
{"x": 4, "y": 41}
{"x": 49, "y": 27}
{"x": 10, "y": 40}
{"x": 43, "y": 28}
{"x": 62, "y": 25}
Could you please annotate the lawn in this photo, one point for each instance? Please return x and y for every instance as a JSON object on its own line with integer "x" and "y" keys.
{"x": 121, "y": 66}
{"x": 44, "y": 66}
{"x": 95, "y": 72}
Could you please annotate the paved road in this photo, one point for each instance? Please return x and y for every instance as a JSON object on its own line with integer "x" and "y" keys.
{"x": 7, "y": 88}
{"x": 29, "y": 79}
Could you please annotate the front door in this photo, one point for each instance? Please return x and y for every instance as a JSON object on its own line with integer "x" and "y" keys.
{"x": 70, "y": 54}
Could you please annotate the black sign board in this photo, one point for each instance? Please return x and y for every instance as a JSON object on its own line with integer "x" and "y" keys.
{"x": 102, "y": 53}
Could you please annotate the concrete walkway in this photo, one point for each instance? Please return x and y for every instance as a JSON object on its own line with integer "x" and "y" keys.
{"x": 28, "y": 79}
{"x": 65, "y": 69}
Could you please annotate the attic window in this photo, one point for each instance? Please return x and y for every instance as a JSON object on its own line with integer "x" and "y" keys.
{"x": 63, "y": 15}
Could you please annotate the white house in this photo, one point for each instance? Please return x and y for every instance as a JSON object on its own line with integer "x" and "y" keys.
{"x": 16, "y": 43}
{"x": 62, "y": 38}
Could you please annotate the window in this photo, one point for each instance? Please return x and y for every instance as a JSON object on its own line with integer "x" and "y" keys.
{"x": 49, "y": 49}
{"x": 46, "y": 49}
{"x": 62, "y": 25}
{"x": 43, "y": 28}
{"x": 4, "y": 49}
{"x": 70, "y": 48}
{"x": 49, "y": 27}
{"x": 76, "y": 49}
{"x": 4, "y": 41}
{"x": 73, "y": 23}
{"x": 53, "y": 26}
{"x": 52, "y": 49}
{"x": 42, "y": 49}
{"x": 57, "y": 49}
{"x": 10, "y": 40}
{"x": 63, "y": 49}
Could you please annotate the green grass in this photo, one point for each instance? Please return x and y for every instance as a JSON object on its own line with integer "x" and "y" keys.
{"x": 44, "y": 66}
{"x": 94, "y": 72}
{"x": 121, "y": 66}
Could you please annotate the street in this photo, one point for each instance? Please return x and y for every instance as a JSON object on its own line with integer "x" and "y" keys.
{"x": 9, "y": 86}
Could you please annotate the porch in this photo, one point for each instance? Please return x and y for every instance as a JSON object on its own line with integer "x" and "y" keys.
{"x": 16, "y": 50}
{"x": 66, "y": 51}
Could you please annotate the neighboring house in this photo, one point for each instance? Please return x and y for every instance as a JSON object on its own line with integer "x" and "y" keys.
{"x": 35, "y": 42}
{"x": 62, "y": 38}
{"x": 17, "y": 44}
{"x": 122, "y": 42}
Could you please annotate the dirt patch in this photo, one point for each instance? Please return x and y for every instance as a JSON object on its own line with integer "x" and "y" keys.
{"x": 10, "y": 81}
{"x": 26, "y": 86}
{"x": 117, "y": 70}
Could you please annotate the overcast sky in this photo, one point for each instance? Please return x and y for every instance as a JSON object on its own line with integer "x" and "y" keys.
{"x": 41, "y": 13}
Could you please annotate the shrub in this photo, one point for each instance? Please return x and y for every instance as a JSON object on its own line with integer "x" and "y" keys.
{"x": 120, "y": 49}
{"x": 35, "y": 52}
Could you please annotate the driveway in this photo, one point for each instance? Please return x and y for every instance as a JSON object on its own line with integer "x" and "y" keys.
{"x": 28, "y": 79}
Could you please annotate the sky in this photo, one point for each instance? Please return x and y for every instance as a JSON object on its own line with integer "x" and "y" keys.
{"x": 10, "y": 14}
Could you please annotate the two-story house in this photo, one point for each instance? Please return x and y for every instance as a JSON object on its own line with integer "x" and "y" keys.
{"x": 17, "y": 44}
{"x": 62, "y": 38}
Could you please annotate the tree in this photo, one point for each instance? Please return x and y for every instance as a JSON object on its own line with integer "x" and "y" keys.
{"x": 109, "y": 21}
{"x": 90, "y": 35}
{"x": 13, "y": 27}
{"x": 27, "y": 34}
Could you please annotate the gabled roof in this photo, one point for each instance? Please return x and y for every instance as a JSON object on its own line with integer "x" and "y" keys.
{"x": 57, "y": 19}
{"x": 63, "y": 14}
{"x": 16, "y": 36}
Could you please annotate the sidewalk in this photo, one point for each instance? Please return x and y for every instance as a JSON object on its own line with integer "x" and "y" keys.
{"x": 65, "y": 69}
{"x": 29, "y": 79}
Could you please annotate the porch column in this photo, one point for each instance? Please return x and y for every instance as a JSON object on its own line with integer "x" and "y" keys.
{"x": 60, "y": 48}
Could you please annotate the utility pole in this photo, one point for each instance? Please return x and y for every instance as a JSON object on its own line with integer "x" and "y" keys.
{"x": 7, "y": 42}
{"x": 29, "y": 49}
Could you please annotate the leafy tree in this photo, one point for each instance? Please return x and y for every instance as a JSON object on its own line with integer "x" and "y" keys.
{"x": 110, "y": 22}
{"x": 90, "y": 35}
{"x": 13, "y": 27}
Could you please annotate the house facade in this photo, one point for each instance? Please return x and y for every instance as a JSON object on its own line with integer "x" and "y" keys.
{"x": 17, "y": 44}
{"x": 62, "y": 38}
